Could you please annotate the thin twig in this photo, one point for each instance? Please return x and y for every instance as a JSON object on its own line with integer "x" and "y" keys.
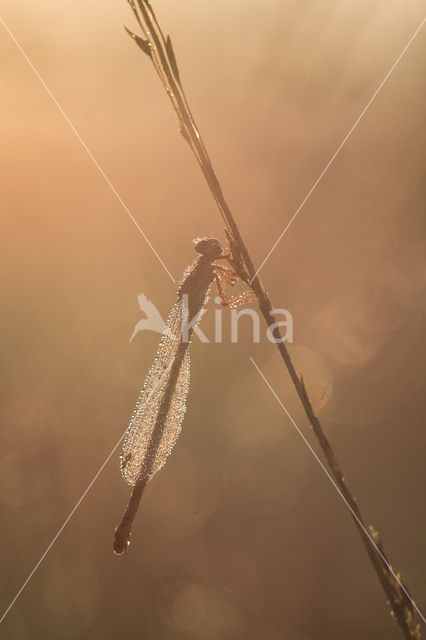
{"x": 160, "y": 50}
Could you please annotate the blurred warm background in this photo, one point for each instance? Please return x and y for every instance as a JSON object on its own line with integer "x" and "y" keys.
{"x": 241, "y": 536}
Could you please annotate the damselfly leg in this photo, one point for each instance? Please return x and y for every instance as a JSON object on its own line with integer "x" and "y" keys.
{"x": 223, "y": 274}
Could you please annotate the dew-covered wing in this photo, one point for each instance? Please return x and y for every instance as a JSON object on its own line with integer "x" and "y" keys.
{"x": 157, "y": 419}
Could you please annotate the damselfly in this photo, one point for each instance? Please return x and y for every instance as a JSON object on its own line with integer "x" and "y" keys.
{"x": 156, "y": 421}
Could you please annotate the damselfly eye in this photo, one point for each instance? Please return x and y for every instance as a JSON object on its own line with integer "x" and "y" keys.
{"x": 209, "y": 247}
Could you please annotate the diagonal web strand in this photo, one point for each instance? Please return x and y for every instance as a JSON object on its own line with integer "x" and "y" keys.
{"x": 367, "y": 533}
{"x": 86, "y": 148}
{"x": 339, "y": 148}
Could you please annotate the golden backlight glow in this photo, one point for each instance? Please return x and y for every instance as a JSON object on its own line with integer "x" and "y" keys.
{"x": 240, "y": 536}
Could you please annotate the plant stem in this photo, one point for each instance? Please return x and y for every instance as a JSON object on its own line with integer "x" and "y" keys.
{"x": 161, "y": 53}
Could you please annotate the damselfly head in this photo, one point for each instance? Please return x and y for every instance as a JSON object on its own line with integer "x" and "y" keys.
{"x": 209, "y": 247}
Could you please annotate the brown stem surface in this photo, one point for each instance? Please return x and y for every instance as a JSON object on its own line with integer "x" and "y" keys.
{"x": 164, "y": 61}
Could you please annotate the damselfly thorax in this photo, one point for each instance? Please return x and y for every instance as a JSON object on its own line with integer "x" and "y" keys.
{"x": 156, "y": 421}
